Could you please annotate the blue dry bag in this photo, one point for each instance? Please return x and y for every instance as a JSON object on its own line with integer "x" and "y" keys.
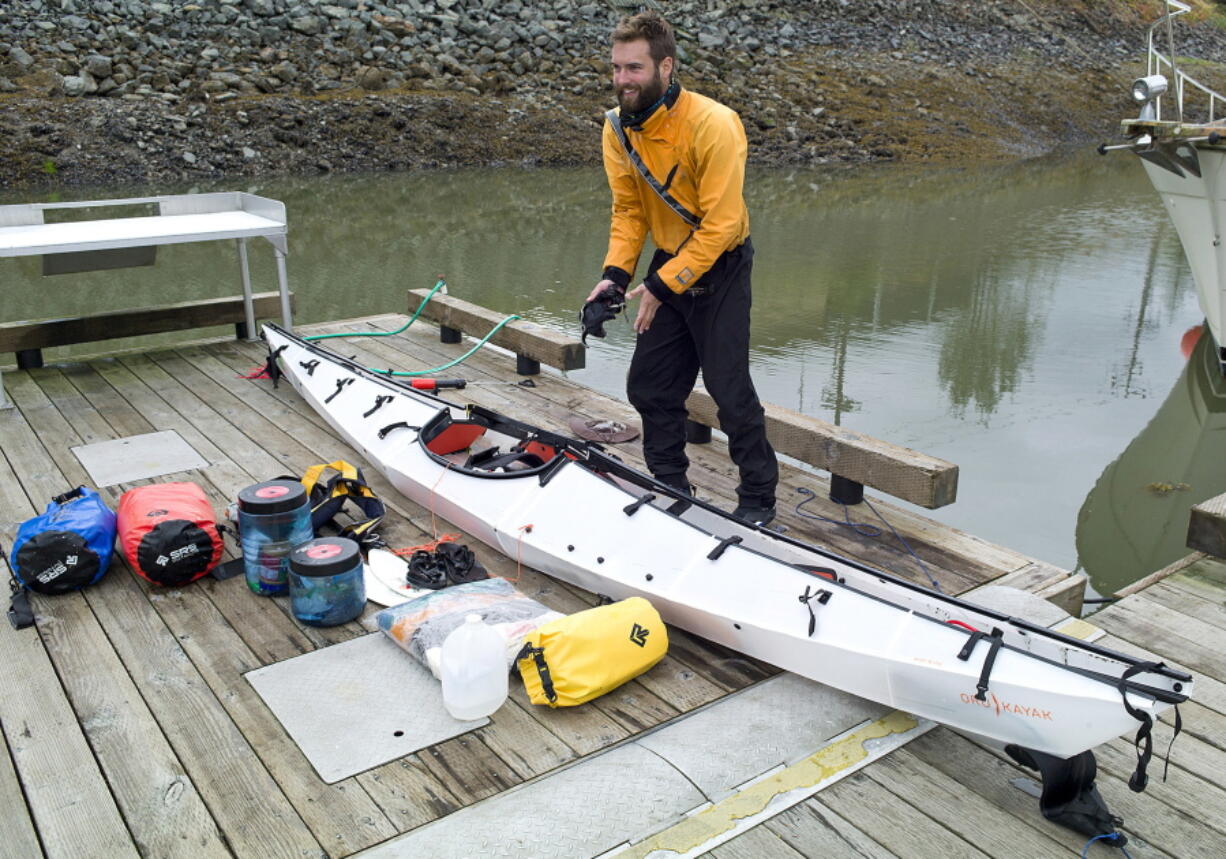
{"x": 68, "y": 547}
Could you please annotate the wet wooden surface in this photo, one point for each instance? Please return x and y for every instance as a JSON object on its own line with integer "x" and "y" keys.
{"x": 129, "y": 729}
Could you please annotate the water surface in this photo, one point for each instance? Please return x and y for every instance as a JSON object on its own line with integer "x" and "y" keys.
{"x": 1024, "y": 321}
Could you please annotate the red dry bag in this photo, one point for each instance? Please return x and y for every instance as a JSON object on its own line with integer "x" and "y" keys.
{"x": 168, "y": 532}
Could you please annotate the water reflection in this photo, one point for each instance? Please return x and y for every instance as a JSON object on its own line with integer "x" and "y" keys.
{"x": 1135, "y": 519}
{"x": 1012, "y": 319}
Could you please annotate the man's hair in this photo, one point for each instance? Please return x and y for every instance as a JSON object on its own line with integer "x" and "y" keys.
{"x": 648, "y": 25}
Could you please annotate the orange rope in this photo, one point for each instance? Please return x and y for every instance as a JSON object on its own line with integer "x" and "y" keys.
{"x": 519, "y": 553}
{"x": 428, "y": 547}
{"x": 433, "y": 518}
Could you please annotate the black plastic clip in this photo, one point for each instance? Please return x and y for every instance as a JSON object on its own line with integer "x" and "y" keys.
{"x": 309, "y": 366}
{"x": 821, "y": 597}
{"x": 722, "y": 547}
{"x": 633, "y": 507}
{"x": 392, "y": 427}
{"x": 340, "y": 386}
{"x": 538, "y": 656}
{"x": 380, "y": 401}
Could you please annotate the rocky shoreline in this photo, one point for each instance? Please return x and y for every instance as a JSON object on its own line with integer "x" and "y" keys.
{"x": 127, "y": 91}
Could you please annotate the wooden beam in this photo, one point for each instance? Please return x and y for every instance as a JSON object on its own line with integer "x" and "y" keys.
{"x": 1207, "y": 527}
{"x": 521, "y": 337}
{"x": 890, "y": 468}
{"x": 44, "y": 333}
{"x": 1069, "y": 593}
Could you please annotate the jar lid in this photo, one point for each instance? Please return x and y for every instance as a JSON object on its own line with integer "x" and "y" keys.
{"x": 325, "y": 556}
{"x": 272, "y": 496}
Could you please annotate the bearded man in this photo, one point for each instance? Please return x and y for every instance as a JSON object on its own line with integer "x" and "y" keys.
{"x": 675, "y": 161}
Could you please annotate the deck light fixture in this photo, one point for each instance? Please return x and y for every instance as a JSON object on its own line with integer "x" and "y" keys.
{"x": 1147, "y": 90}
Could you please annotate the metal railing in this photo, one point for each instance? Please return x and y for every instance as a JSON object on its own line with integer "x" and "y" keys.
{"x": 1156, "y": 63}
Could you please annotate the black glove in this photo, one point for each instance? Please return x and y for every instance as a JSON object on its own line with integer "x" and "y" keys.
{"x": 601, "y": 309}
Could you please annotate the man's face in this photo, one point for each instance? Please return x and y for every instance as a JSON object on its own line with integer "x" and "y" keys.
{"x": 637, "y": 80}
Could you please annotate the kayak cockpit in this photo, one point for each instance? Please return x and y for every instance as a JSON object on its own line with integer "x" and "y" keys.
{"x": 485, "y": 444}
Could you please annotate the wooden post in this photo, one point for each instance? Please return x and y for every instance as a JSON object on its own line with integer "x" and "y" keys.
{"x": 1207, "y": 527}
{"x": 526, "y": 366}
{"x": 696, "y": 433}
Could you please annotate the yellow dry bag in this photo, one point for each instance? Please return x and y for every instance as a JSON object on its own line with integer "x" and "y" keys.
{"x": 577, "y": 658}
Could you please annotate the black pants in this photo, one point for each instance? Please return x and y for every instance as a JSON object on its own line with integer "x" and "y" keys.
{"x": 707, "y": 328}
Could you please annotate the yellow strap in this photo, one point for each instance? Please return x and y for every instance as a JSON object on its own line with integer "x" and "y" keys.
{"x": 311, "y": 477}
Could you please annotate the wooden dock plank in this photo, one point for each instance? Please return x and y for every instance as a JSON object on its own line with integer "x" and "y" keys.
{"x": 249, "y": 455}
{"x": 343, "y": 817}
{"x": 56, "y": 463}
{"x": 89, "y": 426}
{"x": 188, "y": 702}
{"x": 1153, "y": 826}
{"x": 942, "y": 798}
{"x": 757, "y": 843}
{"x": 468, "y": 768}
{"x": 1197, "y": 769}
{"x": 408, "y": 793}
{"x": 817, "y": 833}
{"x": 1190, "y": 602}
{"x": 992, "y": 779}
{"x": 75, "y": 816}
{"x": 158, "y": 799}
{"x": 1200, "y": 646}
{"x": 865, "y": 804}
{"x": 253, "y": 812}
{"x": 523, "y": 742}
{"x": 16, "y": 828}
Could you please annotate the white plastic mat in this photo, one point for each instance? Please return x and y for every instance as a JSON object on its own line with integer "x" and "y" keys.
{"x": 138, "y": 457}
{"x": 356, "y": 705}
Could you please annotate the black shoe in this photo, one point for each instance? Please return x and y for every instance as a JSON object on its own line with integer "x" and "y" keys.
{"x": 426, "y": 570}
{"x": 754, "y": 515}
{"x": 462, "y": 565}
{"x": 677, "y": 482}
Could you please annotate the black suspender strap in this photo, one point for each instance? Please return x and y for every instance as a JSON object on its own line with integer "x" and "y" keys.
{"x": 822, "y": 596}
{"x": 652, "y": 182}
{"x": 1143, "y": 743}
{"x": 996, "y": 639}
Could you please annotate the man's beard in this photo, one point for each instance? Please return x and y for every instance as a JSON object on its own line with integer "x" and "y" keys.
{"x": 638, "y": 102}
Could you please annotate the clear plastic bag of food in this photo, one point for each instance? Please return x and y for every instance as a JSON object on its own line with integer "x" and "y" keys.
{"x": 420, "y": 625}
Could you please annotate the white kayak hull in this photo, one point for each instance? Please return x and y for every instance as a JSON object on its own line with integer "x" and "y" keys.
{"x": 873, "y": 636}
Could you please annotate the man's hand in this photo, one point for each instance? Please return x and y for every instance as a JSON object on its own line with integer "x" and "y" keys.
{"x": 648, "y": 305}
{"x": 600, "y": 287}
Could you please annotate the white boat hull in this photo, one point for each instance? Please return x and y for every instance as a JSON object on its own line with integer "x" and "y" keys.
{"x": 875, "y": 637}
{"x": 1197, "y": 208}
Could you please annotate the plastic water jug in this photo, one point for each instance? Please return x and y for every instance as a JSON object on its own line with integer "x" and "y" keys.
{"x": 273, "y": 518}
{"x": 473, "y": 668}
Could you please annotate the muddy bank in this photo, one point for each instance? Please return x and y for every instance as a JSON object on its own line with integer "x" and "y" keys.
{"x": 125, "y": 91}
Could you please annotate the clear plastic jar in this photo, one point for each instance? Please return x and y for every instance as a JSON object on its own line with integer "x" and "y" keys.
{"x": 273, "y": 518}
{"x": 325, "y": 581}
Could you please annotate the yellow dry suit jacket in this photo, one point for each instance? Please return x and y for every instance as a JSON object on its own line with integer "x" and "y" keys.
{"x": 700, "y": 144}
